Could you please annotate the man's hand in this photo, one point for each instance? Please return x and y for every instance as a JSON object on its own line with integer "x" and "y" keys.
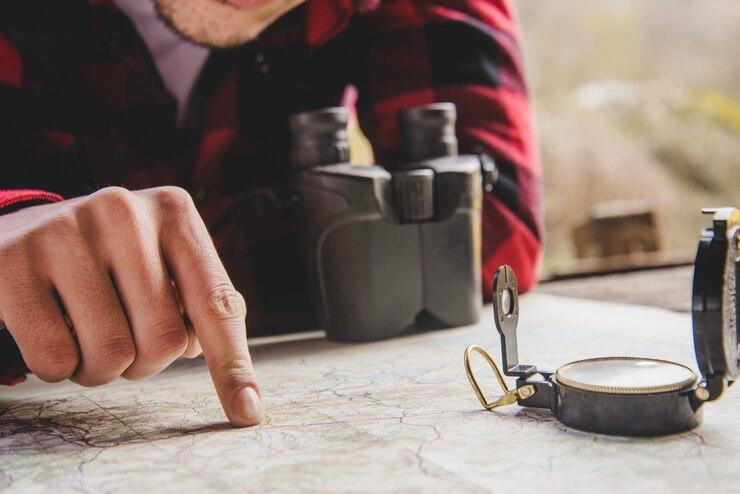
{"x": 87, "y": 291}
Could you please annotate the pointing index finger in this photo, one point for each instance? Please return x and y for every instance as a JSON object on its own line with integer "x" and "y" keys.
{"x": 212, "y": 304}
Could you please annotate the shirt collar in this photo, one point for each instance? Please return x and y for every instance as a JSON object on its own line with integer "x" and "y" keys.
{"x": 326, "y": 19}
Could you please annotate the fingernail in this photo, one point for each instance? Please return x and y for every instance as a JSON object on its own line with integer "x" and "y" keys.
{"x": 248, "y": 405}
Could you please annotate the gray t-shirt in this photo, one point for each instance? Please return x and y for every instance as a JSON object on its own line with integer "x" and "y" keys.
{"x": 178, "y": 60}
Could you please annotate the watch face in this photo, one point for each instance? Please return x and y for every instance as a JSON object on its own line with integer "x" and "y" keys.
{"x": 626, "y": 375}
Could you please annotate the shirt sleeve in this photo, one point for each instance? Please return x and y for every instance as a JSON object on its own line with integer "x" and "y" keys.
{"x": 13, "y": 79}
{"x": 466, "y": 52}
{"x": 11, "y": 200}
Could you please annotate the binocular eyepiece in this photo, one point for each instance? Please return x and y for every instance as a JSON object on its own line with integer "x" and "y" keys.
{"x": 319, "y": 137}
{"x": 425, "y": 132}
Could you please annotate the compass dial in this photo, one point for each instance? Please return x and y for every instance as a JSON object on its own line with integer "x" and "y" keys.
{"x": 626, "y": 375}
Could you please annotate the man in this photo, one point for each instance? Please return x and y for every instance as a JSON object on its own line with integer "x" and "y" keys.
{"x": 185, "y": 103}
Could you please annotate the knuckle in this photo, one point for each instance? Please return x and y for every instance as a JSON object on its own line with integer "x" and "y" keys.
{"x": 114, "y": 203}
{"x": 134, "y": 373}
{"x": 166, "y": 339}
{"x": 56, "y": 362}
{"x": 224, "y": 302}
{"x": 118, "y": 352}
{"x": 236, "y": 371}
{"x": 92, "y": 379}
{"x": 113, "y": 195}
{"x": 173, "y": 200}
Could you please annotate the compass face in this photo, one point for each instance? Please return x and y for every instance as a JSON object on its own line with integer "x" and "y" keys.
{"x": 626, "y": 375}
{"x": 729, "y": 305}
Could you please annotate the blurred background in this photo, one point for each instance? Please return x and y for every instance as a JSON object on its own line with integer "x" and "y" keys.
{"x": 637, "y": 104}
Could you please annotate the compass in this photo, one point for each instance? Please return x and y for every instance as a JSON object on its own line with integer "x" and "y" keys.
{"x": 633, "y": 396}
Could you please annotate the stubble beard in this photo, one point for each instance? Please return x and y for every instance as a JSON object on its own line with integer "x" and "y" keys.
{"x": 218, "y": 24}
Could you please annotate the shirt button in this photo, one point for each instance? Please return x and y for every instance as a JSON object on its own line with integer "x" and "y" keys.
{"x": 261, "y": 61}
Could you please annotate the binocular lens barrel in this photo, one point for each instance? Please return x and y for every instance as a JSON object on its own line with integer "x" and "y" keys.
{"x": 319, "y": 137}
{"x": 427, "y": 131}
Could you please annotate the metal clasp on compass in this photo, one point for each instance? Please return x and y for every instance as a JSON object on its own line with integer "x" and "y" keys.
{"x": 509, "y": 397}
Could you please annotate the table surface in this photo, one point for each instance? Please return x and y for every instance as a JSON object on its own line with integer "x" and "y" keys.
{"x": 665, "y": 287}
{"x": 394, "y": 415}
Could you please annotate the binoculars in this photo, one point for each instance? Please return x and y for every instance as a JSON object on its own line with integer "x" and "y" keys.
{"x": 390, "y": 249}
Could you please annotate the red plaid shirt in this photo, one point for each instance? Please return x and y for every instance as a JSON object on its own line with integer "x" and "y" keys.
{"x": 84, "y": 107}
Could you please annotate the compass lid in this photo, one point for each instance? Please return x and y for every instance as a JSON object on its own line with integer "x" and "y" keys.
{"x": 714, "y": 302}
{"x": 506, "y": 317}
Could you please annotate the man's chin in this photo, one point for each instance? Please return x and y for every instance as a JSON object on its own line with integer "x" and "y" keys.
{"x": 246, "y": 4}
{"x": 218, "y": 24}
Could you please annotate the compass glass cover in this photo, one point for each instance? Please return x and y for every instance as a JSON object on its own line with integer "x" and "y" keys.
{"x": 626, "y": 375}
